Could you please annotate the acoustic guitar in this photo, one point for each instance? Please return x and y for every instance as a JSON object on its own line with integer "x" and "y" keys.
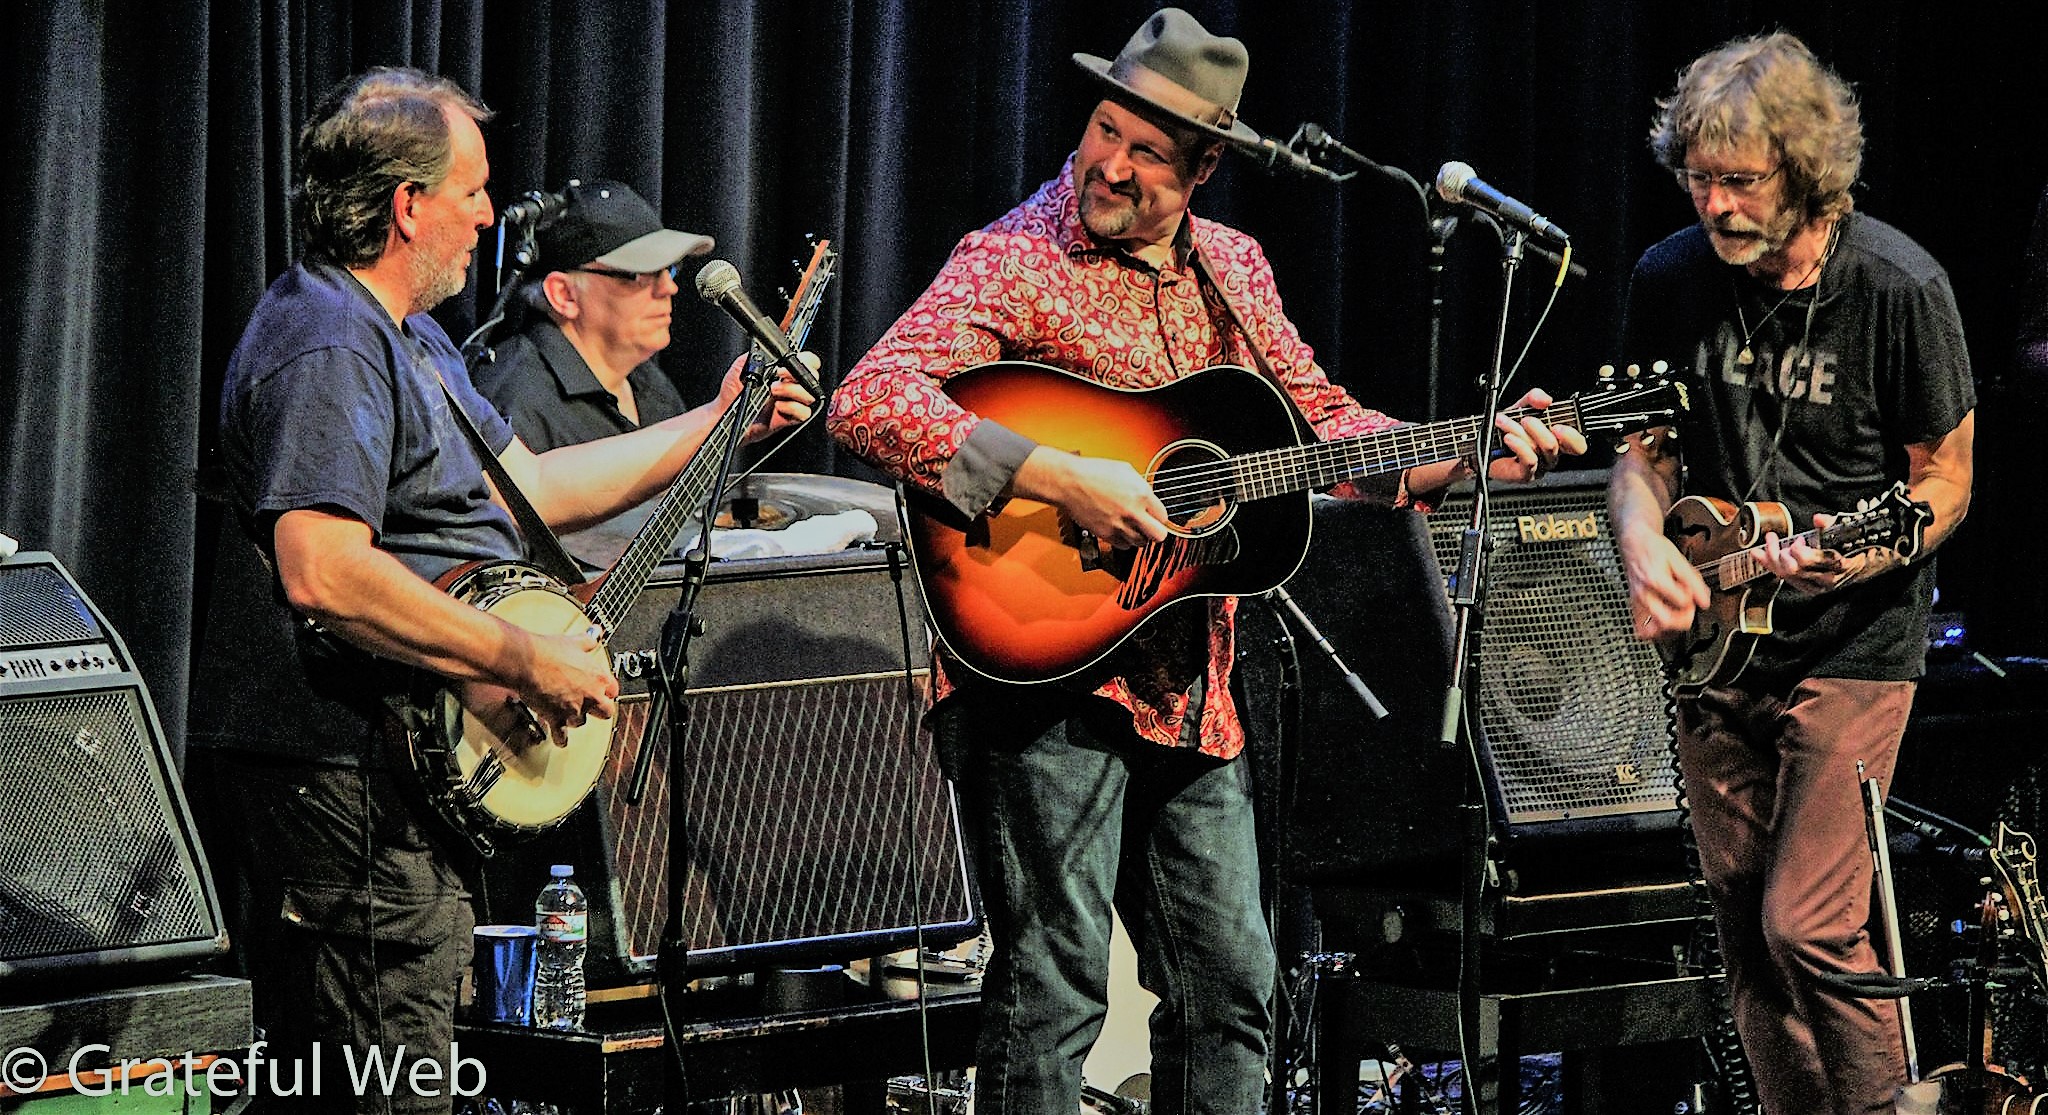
{"x": 1022, "y": 594}
{"x": 1720, "y": 539}
{"x": 489, "y": 773}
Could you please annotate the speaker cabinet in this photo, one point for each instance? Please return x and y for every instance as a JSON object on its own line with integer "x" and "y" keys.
{"x": 1571, "y": 704}
{"x": 1572, "y": 720}
{"x": 814, "y": 817}
{"x": 99, "y": 869}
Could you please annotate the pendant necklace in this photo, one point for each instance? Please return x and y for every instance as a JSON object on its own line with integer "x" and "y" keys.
{"x": 1770, "y": 461}
{"x": 1747, "y": 355}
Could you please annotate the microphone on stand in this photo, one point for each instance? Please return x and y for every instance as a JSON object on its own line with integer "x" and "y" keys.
{"x": 719, "y": 284}
{"x": 1274, "y": 156}
{"x": 1912, "y": 843}
{"x": 1458, "y": 182}
{"x": 535, "y": 208}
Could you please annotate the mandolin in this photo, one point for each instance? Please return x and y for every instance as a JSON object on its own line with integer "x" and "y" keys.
{"x": 1720, "y": 539}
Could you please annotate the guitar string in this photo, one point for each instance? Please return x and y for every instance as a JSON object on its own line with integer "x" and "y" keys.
{"x": 678, "y": 506}
{"x": 1318, "y": 458}
{"x": 1253, "y": 474}
{"x": 1412, "y": 444}
{"x": 1752, "y": 566}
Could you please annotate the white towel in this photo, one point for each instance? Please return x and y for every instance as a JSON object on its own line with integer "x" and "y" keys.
{"x": 819, "y": 534}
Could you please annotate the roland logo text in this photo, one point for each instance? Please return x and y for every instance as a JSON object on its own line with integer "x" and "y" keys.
{"x": 1557, "y": 528}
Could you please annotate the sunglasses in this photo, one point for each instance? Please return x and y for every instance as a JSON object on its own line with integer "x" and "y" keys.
{"x": 636, "y": 278}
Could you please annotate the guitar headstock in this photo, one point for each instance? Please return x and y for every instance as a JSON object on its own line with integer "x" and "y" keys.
{"x": 1629, "y": 403}
{"x": 812, "y": 279}
{"x": 1893, "y": 521}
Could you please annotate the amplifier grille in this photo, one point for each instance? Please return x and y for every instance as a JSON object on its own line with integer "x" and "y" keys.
{"x": 87, "y": 861}
{"x": 38, "y": 607}
{"x": 814, "y": 812}
{"x": 1572, "y": 707}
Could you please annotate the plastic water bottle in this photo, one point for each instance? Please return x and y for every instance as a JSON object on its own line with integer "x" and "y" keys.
{"x": 562, "y": 916}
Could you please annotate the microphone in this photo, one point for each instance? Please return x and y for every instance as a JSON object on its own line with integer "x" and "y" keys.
{"x": 536, "y": 209}
{"x": 1274, "y": 156}
{"x": 718, "y": 283}
{"x": 1459, "y": 182}
{"x": 1915, "y": 844}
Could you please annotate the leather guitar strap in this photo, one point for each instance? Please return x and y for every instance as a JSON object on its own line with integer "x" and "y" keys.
{"x": 542, "y": 547}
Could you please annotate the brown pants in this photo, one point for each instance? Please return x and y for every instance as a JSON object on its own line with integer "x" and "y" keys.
{"x": 1777, "y": 809}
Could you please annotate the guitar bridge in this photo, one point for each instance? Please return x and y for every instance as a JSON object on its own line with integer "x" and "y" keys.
{"x": 484, "y": 777}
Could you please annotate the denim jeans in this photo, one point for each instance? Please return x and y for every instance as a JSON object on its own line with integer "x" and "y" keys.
{"x": 1069, "y": 812}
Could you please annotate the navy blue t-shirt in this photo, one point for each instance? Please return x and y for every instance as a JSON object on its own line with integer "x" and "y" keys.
{"x": 329, "y": 405}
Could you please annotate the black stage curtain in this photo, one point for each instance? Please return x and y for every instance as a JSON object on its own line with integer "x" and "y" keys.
{"x": 147, "y": 159}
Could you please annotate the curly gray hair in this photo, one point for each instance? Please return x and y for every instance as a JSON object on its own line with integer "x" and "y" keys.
{"x": 1770, "y": 87}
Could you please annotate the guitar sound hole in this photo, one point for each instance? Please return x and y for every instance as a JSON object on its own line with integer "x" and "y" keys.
{"x": 1191, "y": 479}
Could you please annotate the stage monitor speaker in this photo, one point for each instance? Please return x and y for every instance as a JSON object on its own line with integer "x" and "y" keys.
{"x": 817, "y": 824}
{"x": 1572, "y": 715}
{"x": 100, "y": 872}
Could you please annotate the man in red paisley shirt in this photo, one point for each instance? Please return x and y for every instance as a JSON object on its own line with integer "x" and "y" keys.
{"x": 1115, "y": 789}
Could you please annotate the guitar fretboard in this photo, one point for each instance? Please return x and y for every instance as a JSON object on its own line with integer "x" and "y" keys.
{"x": 1276, "y": 472}
{"x": 687, "y": 496}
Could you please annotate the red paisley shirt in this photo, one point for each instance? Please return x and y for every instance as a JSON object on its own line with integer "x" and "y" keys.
{"x": 1035, "y": 285}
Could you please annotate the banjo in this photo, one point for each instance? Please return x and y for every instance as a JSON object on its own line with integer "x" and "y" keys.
{"x": 474, "y": 748}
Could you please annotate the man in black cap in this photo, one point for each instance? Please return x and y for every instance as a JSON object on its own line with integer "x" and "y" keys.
{"x": 1115, "y": 788}
{"x": 350, "y": 472}
{"x": 581, "y": 367}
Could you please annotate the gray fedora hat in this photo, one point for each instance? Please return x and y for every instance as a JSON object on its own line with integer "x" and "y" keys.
{"x": 1174, "y": 66}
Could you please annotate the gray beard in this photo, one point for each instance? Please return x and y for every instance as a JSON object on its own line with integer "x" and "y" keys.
{"x": 433, "y": 285}
{"x": 1108, "y": 225}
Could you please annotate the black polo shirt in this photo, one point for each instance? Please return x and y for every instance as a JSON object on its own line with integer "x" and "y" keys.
{"x": 543, "y": 386}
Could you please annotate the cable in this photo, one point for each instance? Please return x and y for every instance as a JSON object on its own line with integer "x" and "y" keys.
{"x": 1703, "y": 954}
{"x": 1537, "y": 328}
{"x": 918, "y": 806}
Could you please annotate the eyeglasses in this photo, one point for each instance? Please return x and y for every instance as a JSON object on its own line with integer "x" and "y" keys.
{"x": 1736, "y": 182}
{"x": 637, "y": 278}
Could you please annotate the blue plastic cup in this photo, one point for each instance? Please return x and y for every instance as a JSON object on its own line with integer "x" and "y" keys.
{"x": 503, "y": 973}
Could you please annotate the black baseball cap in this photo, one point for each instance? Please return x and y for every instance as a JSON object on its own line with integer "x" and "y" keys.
{"x": 608, "y": 223}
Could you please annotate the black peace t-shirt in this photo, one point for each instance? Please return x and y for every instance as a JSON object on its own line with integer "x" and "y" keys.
{"x": 1817, "y": 416}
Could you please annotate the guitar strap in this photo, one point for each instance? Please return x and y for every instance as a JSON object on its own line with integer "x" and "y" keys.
{"x": 1208, "y": 277}
{"x": 1201, "y": 261}
{"x": 542, "y": 547}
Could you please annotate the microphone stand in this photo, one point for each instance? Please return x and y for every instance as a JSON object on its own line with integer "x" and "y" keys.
{"x": 673, "y": 673}
{"x": 1441, "y": 224}
{"x": 1479, "y": 872}
{"x": 474, "y": 350}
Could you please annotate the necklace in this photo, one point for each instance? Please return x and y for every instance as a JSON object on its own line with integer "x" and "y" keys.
{"x": 1747, "y": 355}
{"x": 1768, "y": 468}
